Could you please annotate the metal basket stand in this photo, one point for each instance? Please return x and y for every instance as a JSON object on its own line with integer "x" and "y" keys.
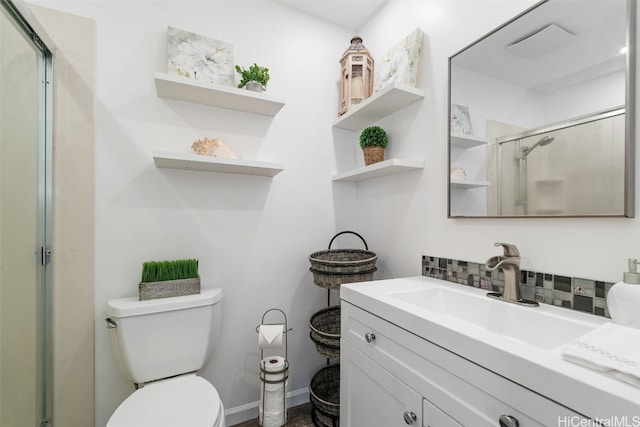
{"x": 284, "y": 371}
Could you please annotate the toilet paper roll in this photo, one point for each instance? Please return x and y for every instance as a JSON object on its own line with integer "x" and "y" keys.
{"x": 273, "y": 394}
{"x": 270, "y": 336}
{"x": 273, "y": 371}
{"x": 272, "y": 419}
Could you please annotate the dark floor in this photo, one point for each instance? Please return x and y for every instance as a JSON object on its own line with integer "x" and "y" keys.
{"x": 299, "y": 416}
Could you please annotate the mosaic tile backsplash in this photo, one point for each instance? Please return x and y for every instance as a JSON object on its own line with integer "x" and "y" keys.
{"x": 568, "y": 292}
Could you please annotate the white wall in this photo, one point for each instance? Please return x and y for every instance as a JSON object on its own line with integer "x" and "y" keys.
{"x": 530, "y": 109}
{"x": 252, "y": 235}
{"x": 410, "y": 210}
{"x": 597, "y": 95}
{"x": 518, "y": 106}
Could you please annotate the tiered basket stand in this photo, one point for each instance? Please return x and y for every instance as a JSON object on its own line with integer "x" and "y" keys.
{"x": 332, "y": 268}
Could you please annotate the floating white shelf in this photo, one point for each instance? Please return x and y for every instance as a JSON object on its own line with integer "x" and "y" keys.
{"x": 387, "y": 100}
{"x": 469, "y": 184}
{"x": 185, "y": 89}
{"x": 466, "y": 141}
{"x": 384, "y": 168}
{"x": 164, "y": 159}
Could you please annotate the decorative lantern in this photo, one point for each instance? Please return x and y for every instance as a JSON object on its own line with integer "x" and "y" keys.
{"x": 356, "y": 80}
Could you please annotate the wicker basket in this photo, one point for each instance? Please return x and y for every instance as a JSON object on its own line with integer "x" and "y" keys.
{"x": 325, "y": 332}
{"x": 373, "y": 154}
{"x": 322, "y": 420}
{"x": 333, "y": 267}
{"x": 324, "y": 391}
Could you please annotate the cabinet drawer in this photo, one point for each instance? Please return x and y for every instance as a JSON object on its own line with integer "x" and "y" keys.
{"x": 464, "y": 391}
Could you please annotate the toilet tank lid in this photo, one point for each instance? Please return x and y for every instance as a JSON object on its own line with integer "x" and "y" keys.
{"x": 127, "y": 307}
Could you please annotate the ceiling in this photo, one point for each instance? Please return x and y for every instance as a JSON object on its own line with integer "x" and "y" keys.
{"x": 598, "y": 32}
{"x": 349, "y": 14}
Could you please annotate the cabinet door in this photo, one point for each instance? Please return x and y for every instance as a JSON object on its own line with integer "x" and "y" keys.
{"x": 371, "y": 396}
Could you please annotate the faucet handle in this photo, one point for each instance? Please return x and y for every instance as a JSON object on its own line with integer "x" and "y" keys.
{"x": 509, "y": 249}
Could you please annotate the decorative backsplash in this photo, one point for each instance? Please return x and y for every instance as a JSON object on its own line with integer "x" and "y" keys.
{"x": 568, "y": 292}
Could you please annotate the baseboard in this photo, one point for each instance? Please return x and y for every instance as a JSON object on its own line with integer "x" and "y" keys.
{"x": 249, "y": 411}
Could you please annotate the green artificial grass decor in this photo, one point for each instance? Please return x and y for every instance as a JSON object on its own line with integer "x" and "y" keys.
{"x": 160, "y": 271}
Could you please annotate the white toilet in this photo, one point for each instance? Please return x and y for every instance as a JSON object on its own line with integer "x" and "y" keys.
{"x": 160, "y": 345}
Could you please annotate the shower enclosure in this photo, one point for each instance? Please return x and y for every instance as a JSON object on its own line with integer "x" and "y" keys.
{"x": 25, "y": 195}
{"x": 569, "y": 169}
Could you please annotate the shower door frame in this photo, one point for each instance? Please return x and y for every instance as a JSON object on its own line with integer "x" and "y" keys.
{"x": 517, "y": 138}
{"x": 23, "y": 17}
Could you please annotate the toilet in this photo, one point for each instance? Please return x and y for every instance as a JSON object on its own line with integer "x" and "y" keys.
{"x": 160, "y": 345}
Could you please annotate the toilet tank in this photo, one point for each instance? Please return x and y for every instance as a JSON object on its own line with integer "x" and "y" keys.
{"x": 161, "y": 338}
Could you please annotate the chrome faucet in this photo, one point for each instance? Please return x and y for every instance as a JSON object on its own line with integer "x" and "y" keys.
{"x": 509, "y": 263}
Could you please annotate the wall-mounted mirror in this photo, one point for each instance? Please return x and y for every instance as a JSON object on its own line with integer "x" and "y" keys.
{"x": 542, "y": 114}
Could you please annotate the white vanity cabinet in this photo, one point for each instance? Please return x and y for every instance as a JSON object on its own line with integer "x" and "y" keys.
{"x": 391, "y": 377}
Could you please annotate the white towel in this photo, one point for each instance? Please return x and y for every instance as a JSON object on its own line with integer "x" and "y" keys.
{"x": 608, "y": 348}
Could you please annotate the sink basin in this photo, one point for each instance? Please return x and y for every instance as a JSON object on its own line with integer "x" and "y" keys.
{"x": 537, "y": 326}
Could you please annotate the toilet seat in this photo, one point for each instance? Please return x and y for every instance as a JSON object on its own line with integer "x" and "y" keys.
{"x": 184, "y": 401}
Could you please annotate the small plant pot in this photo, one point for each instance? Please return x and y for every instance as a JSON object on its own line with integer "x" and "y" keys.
{"x": 254, "y": 87}
{"x": 168, "y": 288}
{"x": 373, "y": 154}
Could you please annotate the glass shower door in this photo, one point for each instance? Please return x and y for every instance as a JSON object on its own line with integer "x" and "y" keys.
{"x": 23, "y": 225}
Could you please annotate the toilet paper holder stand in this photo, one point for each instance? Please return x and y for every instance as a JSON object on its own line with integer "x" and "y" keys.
{"x": 285, "y": 370}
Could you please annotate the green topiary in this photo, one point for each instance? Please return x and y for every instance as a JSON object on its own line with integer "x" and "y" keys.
{"x": 373, "y": 136}
{"x": 159, "y": 271}
{"x": 255, "y": 73}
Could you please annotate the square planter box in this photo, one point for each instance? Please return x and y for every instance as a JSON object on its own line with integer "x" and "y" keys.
{"x": 168, "y": 288}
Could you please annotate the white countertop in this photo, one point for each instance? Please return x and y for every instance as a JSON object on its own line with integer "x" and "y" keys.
{"x": 593, "y": 394}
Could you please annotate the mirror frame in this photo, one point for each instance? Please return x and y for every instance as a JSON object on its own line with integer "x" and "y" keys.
{"x": 630, "y": 116}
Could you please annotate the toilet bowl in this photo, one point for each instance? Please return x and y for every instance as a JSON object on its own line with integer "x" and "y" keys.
{"x": 160, "y": 345}
{"x": 187, "y": 401}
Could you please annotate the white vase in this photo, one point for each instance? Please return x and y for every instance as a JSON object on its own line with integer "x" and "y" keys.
{"x": 254, "y": 86}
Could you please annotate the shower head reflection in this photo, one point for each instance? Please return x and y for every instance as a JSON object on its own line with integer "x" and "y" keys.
{"x": 546, "y": 140}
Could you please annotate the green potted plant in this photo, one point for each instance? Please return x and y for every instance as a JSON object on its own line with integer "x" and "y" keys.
{"x": 254, "y": 78}
{"x": 373, "y": 141}
{"x": 163, "y": 279}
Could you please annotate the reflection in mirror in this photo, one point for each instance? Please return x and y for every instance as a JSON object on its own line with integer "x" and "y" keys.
{"x": 541, "y": 114}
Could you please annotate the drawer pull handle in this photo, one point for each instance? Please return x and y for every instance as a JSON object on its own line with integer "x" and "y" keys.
{"x": 410, "y": 417}
{"x": 508, "y": 421}
{"x": 370, "y": 337}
